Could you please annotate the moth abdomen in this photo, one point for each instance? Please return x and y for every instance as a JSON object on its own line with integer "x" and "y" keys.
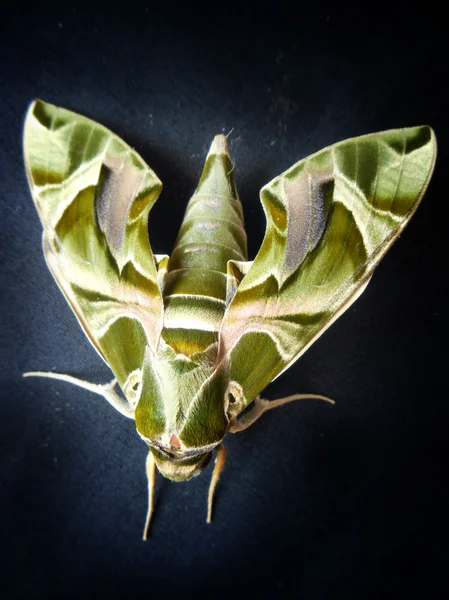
{"x": 212, "y": 231}
{"x": 211, "y": 234}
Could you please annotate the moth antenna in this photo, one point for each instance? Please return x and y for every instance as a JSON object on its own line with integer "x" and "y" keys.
{"x": 228, "y": 134}
{"x": 151, "y": 477}
{"x": 220, "y": 462}
{"x": 261, "y": 405}
{"x": 106, "y": 390}
{"x": 280, "y": 401}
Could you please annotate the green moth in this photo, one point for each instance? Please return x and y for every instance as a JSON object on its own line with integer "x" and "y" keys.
{"x": 193, "y": 338}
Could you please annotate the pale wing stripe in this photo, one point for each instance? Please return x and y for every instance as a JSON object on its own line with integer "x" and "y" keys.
{"x": 401, "y": 170}
{"x": 213, "y": 246}
{"x": 188, "y": 297}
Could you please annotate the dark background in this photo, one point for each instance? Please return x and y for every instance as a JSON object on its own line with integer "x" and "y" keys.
{"x": 317, "y": 501}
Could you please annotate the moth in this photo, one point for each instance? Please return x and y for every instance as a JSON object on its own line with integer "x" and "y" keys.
{"x": 193, "y": 338}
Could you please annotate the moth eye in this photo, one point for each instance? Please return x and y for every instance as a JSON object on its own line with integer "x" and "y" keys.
{"x": 234, "y": 397}
{"x": 133, "y": 386}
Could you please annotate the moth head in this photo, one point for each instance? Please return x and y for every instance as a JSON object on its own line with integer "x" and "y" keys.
{"x": 181, "y": 411}
{"x": 175, "y": 460}
{"x": 178, "y": 467}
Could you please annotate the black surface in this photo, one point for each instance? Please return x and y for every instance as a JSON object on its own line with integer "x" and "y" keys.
{"x": 316, "y": 501}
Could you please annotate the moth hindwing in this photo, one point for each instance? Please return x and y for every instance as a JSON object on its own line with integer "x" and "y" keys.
{"x": 193, "y": 338}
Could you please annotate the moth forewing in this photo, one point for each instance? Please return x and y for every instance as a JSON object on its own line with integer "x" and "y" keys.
{"x": 194, "y": 337}
{"x": 369, "y": 187}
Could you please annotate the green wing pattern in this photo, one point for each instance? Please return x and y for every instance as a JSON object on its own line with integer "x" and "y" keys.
{"x": 93, "y": 194}
{"x": 194, "y": 338}
{"x": 330, "y": 219}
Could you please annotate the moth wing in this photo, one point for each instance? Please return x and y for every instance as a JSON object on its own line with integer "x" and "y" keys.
{"x": 93, "y": 194}
{"x": 330, "y": 219}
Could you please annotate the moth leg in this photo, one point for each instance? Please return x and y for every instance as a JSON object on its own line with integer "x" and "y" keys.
{"x": 261, "y": 405}
{"x": 151, "y": 476}
{"x": 220, "y": 462}
{"x": 106, "y": 390}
